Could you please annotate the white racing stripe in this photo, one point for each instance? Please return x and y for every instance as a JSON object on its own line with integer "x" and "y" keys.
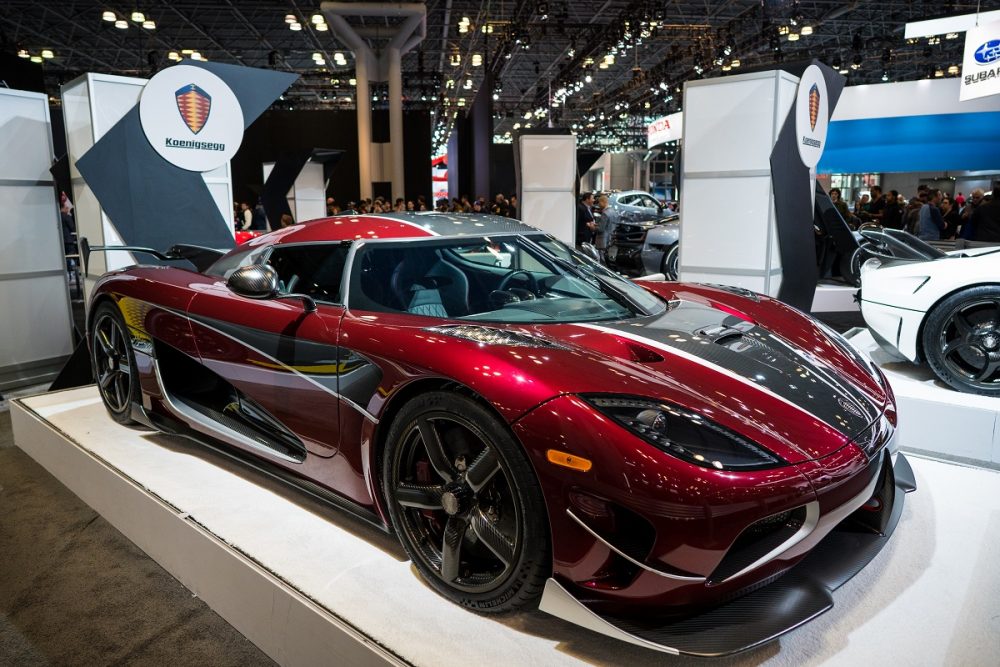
{"x": 707, "y": 364}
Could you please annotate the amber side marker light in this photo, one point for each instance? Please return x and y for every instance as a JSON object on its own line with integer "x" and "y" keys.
{"x": 568, "y": 460}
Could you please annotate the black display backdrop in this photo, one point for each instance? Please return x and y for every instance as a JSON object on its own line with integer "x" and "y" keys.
{"x": 280, "y": 133}
{"x": 793, "y": 207}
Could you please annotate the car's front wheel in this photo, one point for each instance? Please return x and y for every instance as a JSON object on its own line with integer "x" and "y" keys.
{"x": 961, "y": 340}
{"x": 466, "y": 504}
{"x": 670, "y": 264}
{"x": 113, "y": 363}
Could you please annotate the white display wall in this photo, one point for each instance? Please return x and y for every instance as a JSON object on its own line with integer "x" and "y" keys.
{"x": 92, "y": 104}
{"x": 307, "y": 198}
{"x": 36, "y": 322}
{"x": 548, "y": 180}
{"x": 730, "y": 126}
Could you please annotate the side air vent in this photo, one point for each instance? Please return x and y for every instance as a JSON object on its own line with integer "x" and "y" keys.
{"x": 761, "y": 539}
{"x": 493, "y": 336}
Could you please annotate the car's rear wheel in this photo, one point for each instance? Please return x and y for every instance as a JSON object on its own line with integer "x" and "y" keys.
{"x": 465, "y": 503}
{"x": 113, "y": 362}
{"x": 961, "y": 340}
{"x": 669, "y": 265}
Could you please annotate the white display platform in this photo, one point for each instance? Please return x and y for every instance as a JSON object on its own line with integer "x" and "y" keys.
{"x": 311, "y": 587}
{"x": 933, "y": 418}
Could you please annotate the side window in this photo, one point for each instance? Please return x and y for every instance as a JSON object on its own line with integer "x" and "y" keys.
{"x": 648, "y": 202}
{"x": 627, "y": 200}
{"x": 316, "y": 270}
{"x": 487, "y": 254}
{"x": 242, "y": 256}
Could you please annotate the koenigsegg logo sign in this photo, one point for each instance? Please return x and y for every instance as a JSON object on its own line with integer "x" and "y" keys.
{"x": 183, "y": 102}
{"x": 813, "y": 106}
{"x": 194, "y": 105}
{"x": 812, "y": 116}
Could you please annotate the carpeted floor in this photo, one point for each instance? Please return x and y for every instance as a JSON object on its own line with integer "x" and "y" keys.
{"x": 74, "y": 591}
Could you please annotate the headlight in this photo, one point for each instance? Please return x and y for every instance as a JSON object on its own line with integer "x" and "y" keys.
{"x": 870, "y": 265}
{"x": 686, "y": 435}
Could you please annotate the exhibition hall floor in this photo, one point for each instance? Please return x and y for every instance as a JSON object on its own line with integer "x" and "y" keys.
{"x": 928, "y": 598}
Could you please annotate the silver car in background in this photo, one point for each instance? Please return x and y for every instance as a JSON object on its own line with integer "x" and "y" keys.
{"x": 649, "y": 246}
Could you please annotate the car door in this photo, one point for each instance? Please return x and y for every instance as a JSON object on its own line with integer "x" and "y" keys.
{"x": 276, "y": 352}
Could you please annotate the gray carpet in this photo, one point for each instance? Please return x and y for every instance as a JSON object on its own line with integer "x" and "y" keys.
{"x": 74, "y": 591}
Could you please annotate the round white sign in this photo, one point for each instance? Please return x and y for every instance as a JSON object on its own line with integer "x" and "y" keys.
{"x": 812, "y": 116}
{"x": 191, "y": 118}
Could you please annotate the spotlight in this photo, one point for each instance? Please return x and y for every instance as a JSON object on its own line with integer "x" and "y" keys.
{"x": 23, "y": 53}
{"x": 938, "y": 72}
{"x": 47, "y": 53}
{"x": 121, "y": 24}
{"x": 149, "y": 24}
{"x": 317, "y": 19}
{"x": 109, "y": 17}
{"x": 322, "y": 27}
{"x": 138, "y": 17}
{"x": 295, "y": 26}
{"x": 36, "y": 59}
{"x": 793, "y": 37}
{"x": 885, "y": 76}
{"x": 807, "y": 30}
{"x": 952, "y": 69}
{"x": 173, "y": 55}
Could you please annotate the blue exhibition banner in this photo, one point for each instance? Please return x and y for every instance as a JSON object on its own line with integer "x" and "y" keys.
{"x": 960, "y": 141}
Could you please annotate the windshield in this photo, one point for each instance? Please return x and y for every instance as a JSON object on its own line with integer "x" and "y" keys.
{"x": 493, "y": 279}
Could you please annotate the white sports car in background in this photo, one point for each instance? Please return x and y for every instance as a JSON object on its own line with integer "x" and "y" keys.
{"x": 944, "y": 309}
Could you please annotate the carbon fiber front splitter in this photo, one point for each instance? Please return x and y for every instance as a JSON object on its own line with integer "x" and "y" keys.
{"x": 803, "y": 593}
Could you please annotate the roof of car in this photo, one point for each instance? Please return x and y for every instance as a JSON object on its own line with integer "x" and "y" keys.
{"x": 397, "y": 226}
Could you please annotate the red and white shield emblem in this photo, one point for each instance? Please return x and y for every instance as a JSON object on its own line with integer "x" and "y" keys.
{"x": 194, "y": 105}
{"x": 813, "y": 106}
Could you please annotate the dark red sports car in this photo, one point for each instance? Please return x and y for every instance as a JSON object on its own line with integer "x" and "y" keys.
{"x": 642, "y": 459}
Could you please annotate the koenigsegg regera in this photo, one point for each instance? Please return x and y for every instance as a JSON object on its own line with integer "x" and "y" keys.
{"x": 536, "y": 430}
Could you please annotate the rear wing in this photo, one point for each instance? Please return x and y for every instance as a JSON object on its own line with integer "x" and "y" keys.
{"x": 200, "y": 256}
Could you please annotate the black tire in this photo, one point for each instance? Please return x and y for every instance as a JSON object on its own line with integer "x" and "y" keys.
{"x": 110, "y": 345}
{"x": 669, "y": 264}
{"x": 473, "y": 490}
{"x": 961, "y": 340}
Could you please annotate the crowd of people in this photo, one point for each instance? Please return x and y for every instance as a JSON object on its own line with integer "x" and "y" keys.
{"x": 930, "y": 215}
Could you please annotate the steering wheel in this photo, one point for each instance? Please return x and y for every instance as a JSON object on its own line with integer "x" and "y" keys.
{"x": 531, "y": 280}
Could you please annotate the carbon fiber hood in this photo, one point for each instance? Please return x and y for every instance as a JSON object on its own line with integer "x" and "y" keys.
{"x": 761, "y": 358}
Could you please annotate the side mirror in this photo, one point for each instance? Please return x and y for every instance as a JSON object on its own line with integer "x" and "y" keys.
{"x": 256, "y": 281}
{"x": 590, "y": 251}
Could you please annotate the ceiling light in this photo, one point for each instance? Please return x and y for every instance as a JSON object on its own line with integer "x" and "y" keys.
{"x": 121, "y": 24}
{"x": 938, "y": 73}
{"x": 807, "y": 30}
{"x": 317, "y": 56}
{"x": 149, "y": 24}
{"x": 109, "y": 16}
{"x": 461, "y": 101}
{"x": 187, "y": 52}
{"x": 290, "y": 18}
{"x": 603, "y": 65}
{"x": 736, "y": 62}
{"x": 609, "y": 59}
{"x": 138, "y": 17}
{"x": 173, "y": 55}
{"x": 23, "y": 53}
{"x": 951, "y": 35}
{"x": 47, "y": 53}
{"x": 793, "y": 37}
{"x": 843, "y": 71}
{"x": 455, "y": 59}
{"x": 317, "y": 19}
{"x": 353, "y": 82}
{"x": 295, "y": 25}
{"x": 783, "y": 30}
{"x": 477, "y": 60}
{"x": 952, "y": 69}
{"x": 468, "y": 84}
{"x": 885, "y": 76}
{"x": 487, "y": 29}
{"x": 36, "y": 59}
{"x": 322, "y": 27}
{"x": 588, "y": 78}
{"x": 196, "y": 56}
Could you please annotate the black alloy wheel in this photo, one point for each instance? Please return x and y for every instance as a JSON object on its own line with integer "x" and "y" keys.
{"x": 961, "y": 340}
{"x": 114, "y": 363}
{"x": 669, "y": 265}
{"x": 464, "y": 501}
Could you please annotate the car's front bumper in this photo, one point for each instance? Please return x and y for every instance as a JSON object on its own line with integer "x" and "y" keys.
{"x": 775, "y": 607}
{"x": 896, "y": 328}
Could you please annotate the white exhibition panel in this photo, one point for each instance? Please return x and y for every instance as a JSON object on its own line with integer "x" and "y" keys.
{"x": 729, "y": 234}
{"x": 548, "y": 180}
{"x": 908, "y": 98}
{"x": 92, "y": 104}
{"x": 35, "y": 316}
{"x": 310, "y": 193}
{"x": 933, "y": 418}
{"x": 309, "y": 586}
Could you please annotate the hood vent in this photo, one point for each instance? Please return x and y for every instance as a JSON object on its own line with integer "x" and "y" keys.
{"x": 493, "y": 336}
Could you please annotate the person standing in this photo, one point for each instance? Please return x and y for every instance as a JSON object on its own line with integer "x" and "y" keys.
{"x": 952, "y": 220}
{"x": 840, "y": 204}
{"x": 259, "y": 218}
{"x": 605, "y": 228}
{"x": 892, "y": 214}
{"x": 876, "y": 209}
{"x": 585, "y": 225}
{"x": 246, "y": 216}
{"x": 931, "y": 223}
{"x": 986, "y": 219}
